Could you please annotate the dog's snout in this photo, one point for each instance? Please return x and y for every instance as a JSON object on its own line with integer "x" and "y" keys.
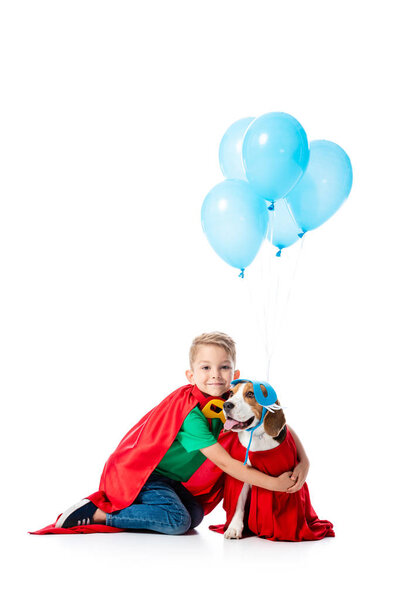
{"x": 228, "y": 405}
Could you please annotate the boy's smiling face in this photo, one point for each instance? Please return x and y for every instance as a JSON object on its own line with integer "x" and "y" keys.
{"x": 212, "y": 370}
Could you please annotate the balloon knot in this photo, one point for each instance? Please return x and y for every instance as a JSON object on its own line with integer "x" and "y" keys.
{"x": 279, "y": 252}
{"x": 241, "y": 274}
{"x": 301, "y": 234}
{"x": 271, "y": 206}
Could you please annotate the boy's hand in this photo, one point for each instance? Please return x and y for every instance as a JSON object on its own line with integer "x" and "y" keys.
{"x": 299, "y": 475}
{"x": 283, "y": 482}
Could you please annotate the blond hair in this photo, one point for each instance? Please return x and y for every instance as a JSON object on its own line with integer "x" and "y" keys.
{"x": 217, "y": 338}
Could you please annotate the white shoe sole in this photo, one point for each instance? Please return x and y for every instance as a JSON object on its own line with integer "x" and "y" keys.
{"x": 60, "y": 522}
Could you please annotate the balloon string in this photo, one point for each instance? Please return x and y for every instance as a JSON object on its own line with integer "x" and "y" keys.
{"x": 293, "y": 219}
{"x": 259, "y": 291}
{"x": 280, "y": 309}
{"x": 256, "y": 301}
{"x": 275, "y": 308}
{"x": 268, "y": 290}
{"x": 265, "y": 290}
{"x": 285, "y": 303}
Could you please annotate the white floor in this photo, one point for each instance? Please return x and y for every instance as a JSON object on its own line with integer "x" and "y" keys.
{"x": 201, "y": 564}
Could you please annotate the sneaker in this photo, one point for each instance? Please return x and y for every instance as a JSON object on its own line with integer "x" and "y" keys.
{"x": 78, "y": 514}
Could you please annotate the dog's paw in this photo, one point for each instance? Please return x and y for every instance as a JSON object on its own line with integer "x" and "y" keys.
{"x": 233, "y": 533}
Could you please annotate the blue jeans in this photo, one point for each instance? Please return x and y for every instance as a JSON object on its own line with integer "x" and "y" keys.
{"x": 163, "y": 505}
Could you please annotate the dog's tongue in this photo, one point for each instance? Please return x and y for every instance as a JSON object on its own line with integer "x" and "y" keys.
{"x": 229, "y": 423}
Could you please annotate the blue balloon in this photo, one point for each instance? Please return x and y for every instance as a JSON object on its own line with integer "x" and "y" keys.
{"x": 285, "y": 230}
{"x": 325, "y": 186}
{"x": 275, "y": 154}
{"x": 234, "y": 219}
{"x": 230, "y": 149}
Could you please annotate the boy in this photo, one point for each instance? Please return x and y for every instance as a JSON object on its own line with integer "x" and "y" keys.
{"x": 141, "y": 484}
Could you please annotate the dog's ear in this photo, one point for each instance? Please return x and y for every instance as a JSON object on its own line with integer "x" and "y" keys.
{"x": 274, "y": 422}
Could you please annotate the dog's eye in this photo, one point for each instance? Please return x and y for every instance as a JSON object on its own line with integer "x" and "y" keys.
{"x": 250, "y": 395}
{"x": 230, "y": 394}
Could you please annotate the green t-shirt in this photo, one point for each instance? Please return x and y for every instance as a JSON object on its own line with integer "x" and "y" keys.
{"x": 184, "y": 457}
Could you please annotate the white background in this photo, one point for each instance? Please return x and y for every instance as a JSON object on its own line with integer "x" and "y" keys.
{"x": 111, "y": 116}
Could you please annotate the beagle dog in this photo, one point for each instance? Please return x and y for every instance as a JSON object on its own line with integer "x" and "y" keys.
{"x": 242, "y": 413}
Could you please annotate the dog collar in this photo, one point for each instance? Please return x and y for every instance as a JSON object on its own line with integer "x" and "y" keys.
{"x": 267, "y": 402}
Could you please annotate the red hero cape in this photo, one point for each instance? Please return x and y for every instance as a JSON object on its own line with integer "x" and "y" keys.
{"x": 137, "y": 455}
{"x": 273, "y": 515}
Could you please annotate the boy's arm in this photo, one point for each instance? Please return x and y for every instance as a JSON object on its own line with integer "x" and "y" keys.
{"x": 300, "y": 471}
{"x": 220, "y": 457}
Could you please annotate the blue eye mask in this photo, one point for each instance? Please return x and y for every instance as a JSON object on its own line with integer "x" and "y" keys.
{"x": 268, "y": 402}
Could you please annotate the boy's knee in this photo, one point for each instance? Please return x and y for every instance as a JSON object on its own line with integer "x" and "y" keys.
{"x": 180, "y": 523}
{"x": 188, "y": 519}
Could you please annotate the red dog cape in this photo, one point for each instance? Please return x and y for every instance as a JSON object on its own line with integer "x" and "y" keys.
{"x": 273, "y": 515}
{"x": 137, "y": 455}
